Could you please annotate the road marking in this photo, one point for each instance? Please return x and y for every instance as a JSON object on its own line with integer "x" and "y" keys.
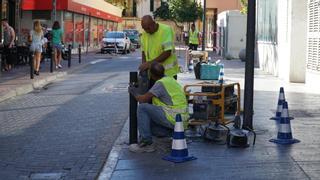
{"x": 97, "y": 61}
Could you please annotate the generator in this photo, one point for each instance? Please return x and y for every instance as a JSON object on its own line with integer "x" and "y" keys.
{"x": 208, "y": 104}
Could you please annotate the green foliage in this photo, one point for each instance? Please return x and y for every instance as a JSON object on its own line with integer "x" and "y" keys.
{"x": 244, "y": 6}
{"x": 179, "y": 11}
{"x": 163, "y": 12}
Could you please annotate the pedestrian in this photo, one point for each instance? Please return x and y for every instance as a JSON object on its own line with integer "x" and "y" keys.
{"x": 8, "y": 43}
{"x": 57, "y": 41}
{"x": 194, "y": 38}
{"x": 158, "y": 119}
{"x": 157, "y": 45}
{"x": 36, "y": 39}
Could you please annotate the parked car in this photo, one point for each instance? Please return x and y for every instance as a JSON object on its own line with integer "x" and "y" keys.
{"x": 133, "y": 35}
{"x": 115, "y": 41}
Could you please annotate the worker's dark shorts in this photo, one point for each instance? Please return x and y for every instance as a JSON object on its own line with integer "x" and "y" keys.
{"x": 193, "y": 47}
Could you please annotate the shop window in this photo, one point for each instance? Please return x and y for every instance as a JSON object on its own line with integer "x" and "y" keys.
{"x": 86, "y": 31}
{"x": 93, "y": 32}
{"x": 100, "y": 30}
{"x": 79, "y": 29}
{"x": 68, "y": 27}
{"x": 45, "y": 15}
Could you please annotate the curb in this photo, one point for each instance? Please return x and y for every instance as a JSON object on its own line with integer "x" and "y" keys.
{"x": 112, "y": 160}
{"x": 38, "y": 83}
{"x": 30, "y": 87}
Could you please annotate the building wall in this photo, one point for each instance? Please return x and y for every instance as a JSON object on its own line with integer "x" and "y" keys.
{"x": 284, "y": 54}
{"x": 213, "y": 8}
{"x": 143, "y": 7}
{"x": 224, "y": 5}
{"x": 313, "y": 41}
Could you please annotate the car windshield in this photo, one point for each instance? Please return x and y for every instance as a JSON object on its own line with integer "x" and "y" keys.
{"x": 131, "y": 32}
{"x": 114, "y": 35}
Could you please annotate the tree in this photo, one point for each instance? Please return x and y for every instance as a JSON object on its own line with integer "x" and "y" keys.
{"x": 179, "y": 11}
{"x": 244, "y": 6}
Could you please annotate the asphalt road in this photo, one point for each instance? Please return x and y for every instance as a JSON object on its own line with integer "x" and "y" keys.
{"x": 66, "y": 129}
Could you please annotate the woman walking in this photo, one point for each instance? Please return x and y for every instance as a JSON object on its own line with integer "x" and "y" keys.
{"x": 57, "y": 36}
{"x": 35, "y": 37}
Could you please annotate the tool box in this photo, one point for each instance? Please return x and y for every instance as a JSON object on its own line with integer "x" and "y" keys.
{"x": 209, "y": 71}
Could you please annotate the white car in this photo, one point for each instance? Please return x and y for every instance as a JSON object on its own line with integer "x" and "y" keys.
{"x": 115, "y": 41}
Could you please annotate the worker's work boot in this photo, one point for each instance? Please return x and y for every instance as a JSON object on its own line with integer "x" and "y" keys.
{"x": 142, "y": 147}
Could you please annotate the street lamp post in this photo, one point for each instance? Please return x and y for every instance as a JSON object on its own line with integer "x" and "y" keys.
{"x": 249, "y": 68}
{"x": 204, "y": 25}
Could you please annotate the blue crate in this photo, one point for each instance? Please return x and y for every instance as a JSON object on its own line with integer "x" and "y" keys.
{"x": 209, "y": 71}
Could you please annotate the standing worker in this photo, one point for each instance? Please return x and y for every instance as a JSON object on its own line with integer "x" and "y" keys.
{"x": 194, "y": 38}
{"x": 157, "y": 44}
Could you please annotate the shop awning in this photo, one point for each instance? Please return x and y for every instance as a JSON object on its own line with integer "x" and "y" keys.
{"x": 96, "y": 8}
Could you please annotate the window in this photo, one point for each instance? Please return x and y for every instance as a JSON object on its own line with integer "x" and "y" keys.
{"x": 68, "y": 27}
{"x": 79, "y": 29}
{"x": 313, "y": 60}
{"x": 267, "y": 15}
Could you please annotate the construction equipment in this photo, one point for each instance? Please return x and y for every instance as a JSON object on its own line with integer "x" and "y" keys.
{"x": 213, "y": 100}
{"x": 239, "y": 137}
{"x": 210, "y": 105}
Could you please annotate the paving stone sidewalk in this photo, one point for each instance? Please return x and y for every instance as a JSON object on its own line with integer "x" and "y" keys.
{"x": 265, "y": 160}
{"x": 17, "y": 81}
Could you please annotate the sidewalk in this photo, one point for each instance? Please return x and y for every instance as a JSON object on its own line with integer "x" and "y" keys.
{"x": 17, "y": 81}
{"x": 265, "y": 160}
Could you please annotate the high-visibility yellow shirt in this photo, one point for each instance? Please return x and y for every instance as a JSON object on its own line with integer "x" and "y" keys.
{"x": 178, "y": 99}
{"x": 155, "y": 44}
{"x": 193, "y": 37}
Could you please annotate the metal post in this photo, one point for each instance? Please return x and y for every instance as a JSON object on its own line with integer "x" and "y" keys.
{"x": 31, "y": 62}
{"x": 79, "y": 51}
{"x": 54, "y": 10}
{"x": 204, "y": 25}
{"x": 52, "y": 57}
{"x": 69, "y": 55}
{"x": 249, "y": 68}
{"x": 133, "y": 105}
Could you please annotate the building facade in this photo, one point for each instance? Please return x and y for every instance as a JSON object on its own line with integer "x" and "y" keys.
{"x": 213, "y": 8}
{"x": 288, "y": 39}
{"x": 83, "y": 22}
{"x": 9, "y": 10}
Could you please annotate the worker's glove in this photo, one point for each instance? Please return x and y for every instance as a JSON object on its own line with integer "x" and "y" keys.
{"x": 133, "y": 91}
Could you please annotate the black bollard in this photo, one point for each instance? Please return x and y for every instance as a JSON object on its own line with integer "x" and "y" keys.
{"x": 69, "y": 55}
{"x": 31, "y": 65}
{"x": 52, "y": 58}
{"x": 79, "y": 52}
{"x": 133, "y": 105}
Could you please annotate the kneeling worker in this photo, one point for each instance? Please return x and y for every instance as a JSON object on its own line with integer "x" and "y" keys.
{"x": 158, "y": 118}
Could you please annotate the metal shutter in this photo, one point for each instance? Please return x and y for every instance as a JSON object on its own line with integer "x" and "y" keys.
{"x": 313, "y": 35}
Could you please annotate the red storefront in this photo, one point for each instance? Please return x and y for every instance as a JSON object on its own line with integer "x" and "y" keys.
{"x": 82, "y": 22}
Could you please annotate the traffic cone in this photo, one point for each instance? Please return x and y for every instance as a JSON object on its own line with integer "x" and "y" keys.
{"x": 221, "y": 74}
{"x": 281, "y": 99}
{"x": 284, "y": 129}
{"x": 179, "y": 152}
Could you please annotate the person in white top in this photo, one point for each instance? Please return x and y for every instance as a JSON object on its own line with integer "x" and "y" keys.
{"x": 36, "y": 39}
